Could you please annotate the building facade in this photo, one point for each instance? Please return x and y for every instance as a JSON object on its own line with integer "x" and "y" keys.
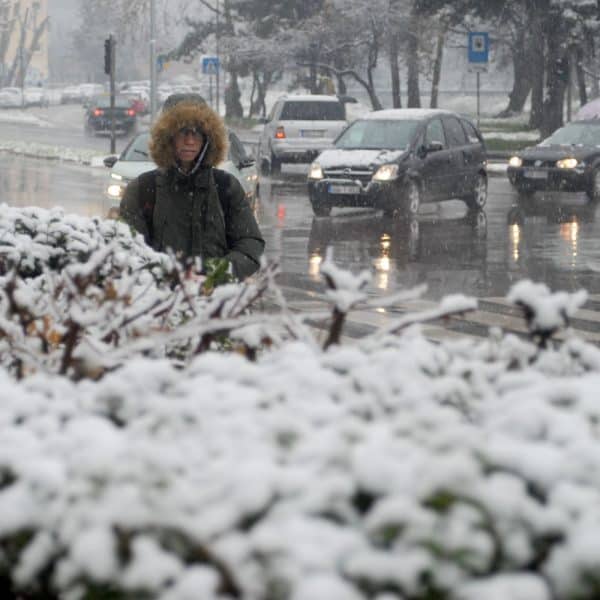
{"x": 24, "y": 26}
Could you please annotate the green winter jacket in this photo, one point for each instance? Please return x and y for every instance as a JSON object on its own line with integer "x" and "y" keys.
{"x": 192, "y": 218}
{"x": 203, "y": 214}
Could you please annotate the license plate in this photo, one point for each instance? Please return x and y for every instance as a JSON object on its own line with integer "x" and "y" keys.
{"x": 535, "y": 174}
{"x": 343, "y": 189}
{"x": 312, "y": 133}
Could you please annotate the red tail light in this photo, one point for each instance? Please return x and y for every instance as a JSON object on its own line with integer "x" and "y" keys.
{"x": 131, "y": 112}
{"x": 280, "y": 133}
{"x": 98, "y": 112}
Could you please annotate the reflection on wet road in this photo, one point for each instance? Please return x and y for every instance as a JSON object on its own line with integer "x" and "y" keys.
{"x": 451, "y": 250}
{"x": 47, "y": 183}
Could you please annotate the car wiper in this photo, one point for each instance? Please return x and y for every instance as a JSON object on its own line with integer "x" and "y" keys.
{"x": 136, "y": 151}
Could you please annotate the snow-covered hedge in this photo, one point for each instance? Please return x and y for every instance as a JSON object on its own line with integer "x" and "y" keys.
{"x": 391, "y": 469}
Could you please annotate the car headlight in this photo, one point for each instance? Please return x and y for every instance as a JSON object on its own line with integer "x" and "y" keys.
{"x": 117, "y": 177}
{"x": 315, "y": 172}
{"x": 114, "y": 190}
{"x": 515, "y": 161}
{"x": 567, "y": 163}
{"x": 252, "y": 177}
{"x": 386, "y": 173}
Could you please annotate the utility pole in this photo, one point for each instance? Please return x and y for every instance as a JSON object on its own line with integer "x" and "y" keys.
{"x": 152, "y": 60}
{"x": 110, "y": 63}
{"x": 22, "y": 56}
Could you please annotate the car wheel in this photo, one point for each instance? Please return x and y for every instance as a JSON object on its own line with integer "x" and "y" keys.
{"x": 594, "y": 193}
{"x": 478, "y": 198}
{"x": 275, "y": 166}
{"x": 264, "y": 167}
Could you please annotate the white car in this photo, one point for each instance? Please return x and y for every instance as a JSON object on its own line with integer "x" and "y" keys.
{"x": 11, "y": 97}
{"x": 135, "y": 160}
{"x": 298, "y": 128}
{"x": 36, "y": 96}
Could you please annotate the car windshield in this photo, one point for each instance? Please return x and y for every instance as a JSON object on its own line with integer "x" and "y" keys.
{"x": 378, "y": 134}
{"x": 575, "y": 134}
{"x": 138, "y": 149}
{"x": 104, "y": 102}
{"x": 312, "y": 111}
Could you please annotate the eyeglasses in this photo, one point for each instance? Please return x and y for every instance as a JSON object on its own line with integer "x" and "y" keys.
{"x": 195, "y": 132}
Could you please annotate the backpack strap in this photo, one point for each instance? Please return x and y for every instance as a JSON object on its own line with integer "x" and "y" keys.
{"x": 147, "y": 198}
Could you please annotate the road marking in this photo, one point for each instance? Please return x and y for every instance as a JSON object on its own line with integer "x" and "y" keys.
{"x": 493, "y": 312}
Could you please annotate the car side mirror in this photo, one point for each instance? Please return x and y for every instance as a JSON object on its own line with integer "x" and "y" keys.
{"x": 110, "y": 161}
{"x": 246, "y": 162}
{"x": 434, "y": 147}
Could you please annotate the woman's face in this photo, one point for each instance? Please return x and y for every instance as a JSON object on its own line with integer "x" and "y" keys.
{"x": 188, "y": 142}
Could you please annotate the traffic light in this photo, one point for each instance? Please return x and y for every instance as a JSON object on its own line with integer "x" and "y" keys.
{"x": 108, "y": 50}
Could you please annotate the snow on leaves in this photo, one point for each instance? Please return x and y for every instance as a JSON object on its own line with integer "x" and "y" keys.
{"x": 388, "y": 469}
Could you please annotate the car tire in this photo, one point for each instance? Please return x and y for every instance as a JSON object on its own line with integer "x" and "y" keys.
{"x": 477, "y": 199}
{"x": 594, "y": 192}
{"x": 275, "y": 165}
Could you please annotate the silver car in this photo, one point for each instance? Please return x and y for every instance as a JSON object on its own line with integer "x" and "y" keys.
{"x": 298, "y": 128}
{"x": 135, "y": 160}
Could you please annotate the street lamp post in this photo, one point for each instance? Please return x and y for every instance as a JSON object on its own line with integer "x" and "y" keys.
{"x": 152, "y": 60}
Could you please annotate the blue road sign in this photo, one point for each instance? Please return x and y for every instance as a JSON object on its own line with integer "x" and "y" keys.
{"x": 210, "y": 65}
{"x": 479, "y": 47}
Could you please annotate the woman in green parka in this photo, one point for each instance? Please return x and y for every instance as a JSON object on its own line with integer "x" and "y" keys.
{"x": 187, "y": 204}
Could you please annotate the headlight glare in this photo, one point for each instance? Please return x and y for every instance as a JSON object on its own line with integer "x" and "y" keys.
{"x": 315, "y": 172}
{"x": 567, "y": 163}
{"x": 117, "y": 177}
{"x": 515, "y": 161}
{"x": 115, "y": 190}
{"x": 386, "y": 173}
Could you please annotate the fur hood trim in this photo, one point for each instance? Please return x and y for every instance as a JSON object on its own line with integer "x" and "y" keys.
{"x": 186, "y": 114}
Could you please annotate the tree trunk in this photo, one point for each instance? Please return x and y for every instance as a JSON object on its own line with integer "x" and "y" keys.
{"x": 538, "y": 69}
{"x": 556, "y": 76}
{"x": 412, "y": 80}
{"x": 522, "y": 55}
{"x": 395, "y": 71}
{"x": 233, "y": 106}
{"x": 437, "y": 69}
{"x": 583, "y": 98}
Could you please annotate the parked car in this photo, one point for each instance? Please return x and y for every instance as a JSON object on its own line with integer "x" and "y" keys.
{"x": 298, "y": 128}
{"x": 98, "y": 116}
{"x": 89, "y": 91}
{"x": 137, "y": 101}
{"x": 396, "y": 159}
{"x": 11, "y": 97}
{"x": 567, "y": 161}
{"x": 71, "y": 95}
{"x": 135, "y": 160}
{"x": 36, "y": 96}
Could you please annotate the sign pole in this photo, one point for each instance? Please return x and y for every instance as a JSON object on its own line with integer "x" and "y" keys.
{"x": 478, "y": 98}
{"x": 113, "y": 63}
{"x": 152, "y": 60}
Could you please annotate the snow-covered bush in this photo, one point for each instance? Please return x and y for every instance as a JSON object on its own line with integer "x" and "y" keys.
{"x": 391, "y": 469}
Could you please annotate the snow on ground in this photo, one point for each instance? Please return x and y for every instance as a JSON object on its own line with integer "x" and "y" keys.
{"x": 13, "y": 116}
{"x": 36, "y": 150}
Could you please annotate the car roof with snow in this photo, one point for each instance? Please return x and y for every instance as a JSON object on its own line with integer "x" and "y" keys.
{"x": 407, "y": 113}
{"x": 310, "y": 97}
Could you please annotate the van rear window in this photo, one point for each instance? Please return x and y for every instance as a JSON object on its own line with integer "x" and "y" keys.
{"x": 313, "y": 111}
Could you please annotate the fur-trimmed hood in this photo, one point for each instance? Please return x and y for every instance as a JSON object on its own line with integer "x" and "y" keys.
{"x": 188, "y": 114}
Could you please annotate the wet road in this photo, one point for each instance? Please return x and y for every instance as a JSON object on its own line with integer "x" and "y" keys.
{"x": 446, "y": 248}
{"x": 553, "y": 241}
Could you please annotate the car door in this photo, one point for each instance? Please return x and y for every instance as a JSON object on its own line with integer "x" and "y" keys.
{"x": 436, "y": 167}
{"x": 458, "y": 183}
{"x": 474, "y": 154}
